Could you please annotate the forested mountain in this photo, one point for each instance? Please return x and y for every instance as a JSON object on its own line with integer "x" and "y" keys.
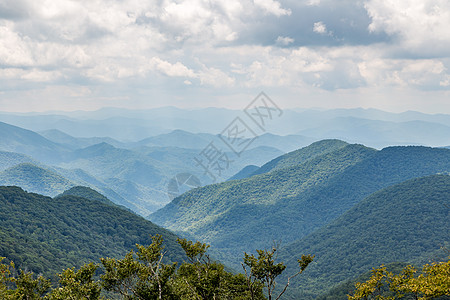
{"x": 35, "y": 179}
{"x": 135, "y": 177}
{"x": 45, "y": 235}
{"x": 237, "y": 215}
{"x": 246, "y": 172}
{"x": 16, "y": 139}
{"x": 407, "y": 222}
{"x": 301, "y": 155}
{"x": 290, "y": 203}
{"x": 87, "y": 193}
{"x": 142, "y": 176}
{"x": 11, "y": 159}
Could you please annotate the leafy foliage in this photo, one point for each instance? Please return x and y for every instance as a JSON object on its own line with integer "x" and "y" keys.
{"x": 264, "y": 270}
{"x": 46, "y": 235}
{"x": 433, "y": 282}
{"x": 139, "y": 275}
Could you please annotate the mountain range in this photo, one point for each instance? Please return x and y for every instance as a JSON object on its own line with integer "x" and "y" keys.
{"x": 354, "y": 187}
{"x": 374, "y": 128}
{"x": 292, "y": 202}
{"x": 135, "y": 175}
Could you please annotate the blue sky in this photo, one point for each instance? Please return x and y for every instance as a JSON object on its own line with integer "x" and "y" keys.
{"x": 88, "y": 54}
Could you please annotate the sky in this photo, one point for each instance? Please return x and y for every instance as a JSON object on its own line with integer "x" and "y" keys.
{"x": 87, "y": 54}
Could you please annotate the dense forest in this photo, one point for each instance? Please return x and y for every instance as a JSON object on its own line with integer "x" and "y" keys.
{"x": 46, "y": 235}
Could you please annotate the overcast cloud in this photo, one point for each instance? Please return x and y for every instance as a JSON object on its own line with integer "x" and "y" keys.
{"x": 86, "y": 54}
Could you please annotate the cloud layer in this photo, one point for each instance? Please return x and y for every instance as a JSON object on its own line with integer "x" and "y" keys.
{"x": 111, "y": 52}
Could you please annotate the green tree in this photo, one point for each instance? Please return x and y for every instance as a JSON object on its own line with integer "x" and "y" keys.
{"x": 264, "y": 270}
{"x": 201, "y": 278}
{"x": 22, "y": 287}
{"x": 142, "y": 277}
{"x": 431, "y": 283}
{"x": 5, "y": 279}
{"x": 77, "y": 285}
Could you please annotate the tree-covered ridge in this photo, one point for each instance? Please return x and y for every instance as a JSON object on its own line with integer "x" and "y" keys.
{"x": 403, "y": 223}
{"x": 300, "y": 156}
{"x": 246, "y": 172}
{"x": 46, "y": 235}
{"x": 87, "y": 193}
{"x": 220, "y": 213}
{"x": 35, "y": 179}
{"x": 11, "y": 159}
{"x": 290, "y": 203}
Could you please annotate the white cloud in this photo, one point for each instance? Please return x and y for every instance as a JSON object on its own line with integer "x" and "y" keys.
{"x": 321, "y": 28}
{"x": 232, "y": 45}
{"x": 272, "y": 7}
{"x": 171, "y": 70}
{"x": 313, "y": 2}
{"x": 421, "y": 25}
{"x": 284, "y": 40}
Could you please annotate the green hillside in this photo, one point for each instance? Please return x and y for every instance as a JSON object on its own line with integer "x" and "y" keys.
{"x": 301, "y": 155}
{"x": 246, "y": 172}
{"x": 45, "y": 235}
{"x": 290, "y": 203}
{"x": 403, "y": 223}
{"x": 35, "y": 179}
{"x": 235, "y": 215}
{"x": 82, "y": 178}
{"x": 87, "y": 193}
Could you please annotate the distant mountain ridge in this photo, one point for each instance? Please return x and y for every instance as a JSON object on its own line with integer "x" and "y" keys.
{"x": 11, "y": 159}
{"x": 371, "y": 127}
{"x": 35, "y": 179}
{"x": 16, "y": 139}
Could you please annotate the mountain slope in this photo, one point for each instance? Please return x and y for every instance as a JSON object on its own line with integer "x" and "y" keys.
{"x": 16, "y": 139}
{"x": 35, "y": 179}
{"x": 142, "y": 176}
{"x": 401, "y": 223}
{"x": 301, "y": 155}
{"x": 10, "y": 159}
{"x": 71, "y": 142}
{"x": 232, "y": 214}
{"x": 290, "y": 203}
{"x": 43, "y": 234}
{"x": 246, "y": 172}
{"x": 87, "y": 193}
